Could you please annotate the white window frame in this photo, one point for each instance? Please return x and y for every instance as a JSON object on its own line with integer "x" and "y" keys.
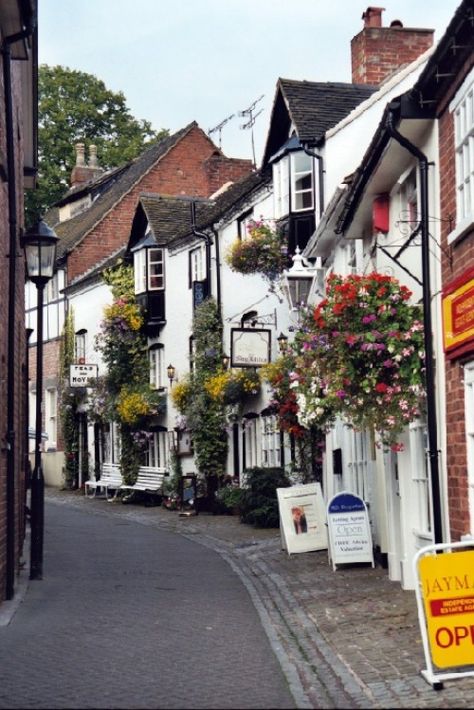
{"x": 297, "y": 173}
{"x": 243, "y": 225}
{"x": 270, "y": 441}
{"x": 156, "y": 454}
{"x": 420, "y": 477}
{"x": 52, "y": 289}
{"x": 252, "y": 437}
{"x": 281, "y": 187}
{"x": 196, "y": 264}
{"x": 462, "y": 108}
{"x": 156, "y": 360}
{"x": 469, "y": 425}
{"x": 112, "y": 443}
{"x": 51, "y": 416}
{"x": 139, "y": 270}
{"x": 80, "y": 345}
{"x": 152, "y": 261}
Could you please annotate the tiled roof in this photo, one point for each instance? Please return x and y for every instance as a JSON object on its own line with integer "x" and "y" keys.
{"x": 234, "y": 196}
{"x": 170, "y": 216}
{"x": 312, "y": 107}
{"x": 72, "y": 231}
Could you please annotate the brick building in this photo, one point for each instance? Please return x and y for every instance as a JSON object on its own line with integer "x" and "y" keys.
{"x": 93, "y": 221}
{"x": 18, "y": 70}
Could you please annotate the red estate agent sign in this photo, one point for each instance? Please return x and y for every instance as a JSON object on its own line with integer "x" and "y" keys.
{"x": 445, "y": 598}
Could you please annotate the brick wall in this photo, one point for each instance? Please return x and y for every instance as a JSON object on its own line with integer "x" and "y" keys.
{"x": 19, "y": 423}
{"x": 377, "y": 52}
{"x": 455, "y": 260}
{"x": 193, "y": 167}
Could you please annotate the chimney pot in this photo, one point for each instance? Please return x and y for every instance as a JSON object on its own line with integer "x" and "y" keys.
{"x": 373, "y": 17}
{"x": 80, "y": 159}
{"x": 93, "y": 162}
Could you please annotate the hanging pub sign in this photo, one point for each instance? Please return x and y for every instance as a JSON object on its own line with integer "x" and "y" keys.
{"x": 250, "y": 347}
{"x": 458, "y": 314}
{"x": 83, "y": 375}
{"x": 302, "y": 518}
{"x": 445, "y": 598}
{"x": 350, "y": 538}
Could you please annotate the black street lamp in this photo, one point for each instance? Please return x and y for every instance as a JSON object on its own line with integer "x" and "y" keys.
{"x": 171, "y": 371}
{"x": 39, "y": 244}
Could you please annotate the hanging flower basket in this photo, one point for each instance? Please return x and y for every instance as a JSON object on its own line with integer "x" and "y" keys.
{"x": 136, "y": 406}
{"x": 233, "y": 386}
{"x": 261, "y": 252}
{"x": 362, "y": 356}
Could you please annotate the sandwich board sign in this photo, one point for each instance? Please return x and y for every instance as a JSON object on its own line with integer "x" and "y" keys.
{"x": 350, "y": 538}
{"x": 302, "y": 518}
{"x": 82, "y": 375}
{"x": 445, "y": 599}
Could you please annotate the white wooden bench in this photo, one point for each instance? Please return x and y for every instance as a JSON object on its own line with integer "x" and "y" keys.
{"x": 149, "y": 480}
{"x": 110, "y": 478}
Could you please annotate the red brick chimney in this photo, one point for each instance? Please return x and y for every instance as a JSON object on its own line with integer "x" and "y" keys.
{"x": 378, "y": 52}
{"x": 82, "y": 173}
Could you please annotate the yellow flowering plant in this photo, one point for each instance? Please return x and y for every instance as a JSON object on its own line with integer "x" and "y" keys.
{"x": 232, "y": 386}
{"x": 136, "y": 405}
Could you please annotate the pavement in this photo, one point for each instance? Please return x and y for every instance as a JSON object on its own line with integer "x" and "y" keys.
{"x": 344, "y": 639}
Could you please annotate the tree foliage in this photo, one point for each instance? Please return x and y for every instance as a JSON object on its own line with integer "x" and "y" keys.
{"x": 75, "y": 107}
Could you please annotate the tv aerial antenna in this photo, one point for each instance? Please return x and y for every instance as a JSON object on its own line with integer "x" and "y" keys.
{"x": 248, "y": 125}
{"x": 219, "y": 128}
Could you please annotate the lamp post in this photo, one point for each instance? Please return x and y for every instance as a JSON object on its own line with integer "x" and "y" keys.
{"x": 282, "y": 341}
{"x": 39, "y": 244}
{"x": 171, "y": 370}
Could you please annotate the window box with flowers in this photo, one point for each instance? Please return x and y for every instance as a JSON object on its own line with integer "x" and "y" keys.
{"x": 263, "y": 251}
{"x": 362, "y": 356}
{"x": 233, "y": 386}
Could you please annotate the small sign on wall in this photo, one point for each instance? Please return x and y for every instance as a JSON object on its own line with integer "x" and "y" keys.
{"x": 302, "y": 518}
{"x": 83, "y": 375}
{"x": 350, "y": 538}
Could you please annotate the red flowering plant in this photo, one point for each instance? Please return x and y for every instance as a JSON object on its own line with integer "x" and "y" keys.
{"x": 362, "y": 353}
{"x": 279, "y": 375}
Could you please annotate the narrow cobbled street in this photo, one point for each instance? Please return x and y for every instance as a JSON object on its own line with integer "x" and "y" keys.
{"x": 130, "y": 616}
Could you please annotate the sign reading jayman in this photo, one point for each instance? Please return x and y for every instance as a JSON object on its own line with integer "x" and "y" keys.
{"x": 83, "y": 375}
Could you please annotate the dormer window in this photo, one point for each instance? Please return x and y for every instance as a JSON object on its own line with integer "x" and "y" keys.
{"x": 148, "y": 267}
{"x": 293, "y": 182}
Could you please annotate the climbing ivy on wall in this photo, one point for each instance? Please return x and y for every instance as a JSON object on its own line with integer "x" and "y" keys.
{"x": 69, "y": 399}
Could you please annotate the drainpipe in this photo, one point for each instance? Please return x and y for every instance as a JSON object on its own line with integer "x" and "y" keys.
{"x": 321, "y": 172}
{"x": 12, "y": 273}
{"x": 428, "y": 341}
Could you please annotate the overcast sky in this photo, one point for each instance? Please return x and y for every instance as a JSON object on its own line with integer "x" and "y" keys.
{"x": 204, "y": 60}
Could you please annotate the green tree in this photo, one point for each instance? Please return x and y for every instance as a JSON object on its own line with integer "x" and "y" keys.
{"x": 75, "y": 107}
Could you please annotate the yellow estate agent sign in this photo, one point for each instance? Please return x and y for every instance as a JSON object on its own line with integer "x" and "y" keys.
{"x": 446, "y": 585}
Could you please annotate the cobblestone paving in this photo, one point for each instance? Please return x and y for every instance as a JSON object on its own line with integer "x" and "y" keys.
{"x": 345, "y": 639}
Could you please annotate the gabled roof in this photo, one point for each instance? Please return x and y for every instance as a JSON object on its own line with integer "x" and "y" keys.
{"x": 312, "y": 108}
{"x": 110, "y": 191}
{"x": 170, "y": 219}
{"x": 167, "y": 216}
